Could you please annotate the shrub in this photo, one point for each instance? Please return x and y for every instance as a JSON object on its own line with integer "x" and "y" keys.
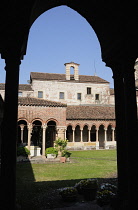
{"x": 68, "y": 191}
{"x": 60, "y": 144}
{"x": 51, "y": 150}
{"x": 23, "y": 151}
{"x": 104, "y": 197}
{"x": 88, "y": 183}
{"x": 106, "y": 193}
{"x": 66, "y": 153}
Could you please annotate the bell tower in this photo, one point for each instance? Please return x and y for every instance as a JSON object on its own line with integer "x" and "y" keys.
{"x": 76, "y": 71}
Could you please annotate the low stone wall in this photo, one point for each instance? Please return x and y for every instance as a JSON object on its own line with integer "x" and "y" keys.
{"x": 81, "y": 145}
{"x": 90, "y": 145}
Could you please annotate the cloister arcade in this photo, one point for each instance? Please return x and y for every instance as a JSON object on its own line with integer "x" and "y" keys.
{"x": 114, "y": 23}
{"x": 100, "y": 135}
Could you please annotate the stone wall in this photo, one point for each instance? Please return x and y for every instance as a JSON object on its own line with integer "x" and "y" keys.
{"x": 51, "y": 90}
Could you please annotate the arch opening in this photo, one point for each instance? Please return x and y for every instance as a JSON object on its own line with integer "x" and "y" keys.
{"x": 69, "y": 133}
{"x": 50, "y": 133}
{"x": 36, "y": 138}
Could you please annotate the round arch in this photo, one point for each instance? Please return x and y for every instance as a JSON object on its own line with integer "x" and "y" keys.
{"x": 51, "y": 133}
{"x": 77, "y": 133}
{"x": 52, "y": 119}
{"x": 109, "y": 132}
{"x": 69, "y": 133}
{"x": 24, "y": 119}
{"x": 85, "y": 133}
{"x": 101, "y": 135}
{"x": 36, "y": 138}
{"x": 37, "y": 119}
{"x": 93, "y": 133}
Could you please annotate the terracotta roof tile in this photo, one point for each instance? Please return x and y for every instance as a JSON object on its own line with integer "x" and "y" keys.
{"x": 30, "y": 101}
{"x": 25, "y": 87}
{"x": 90, "y": 112}
{"x": 62, "y": 77}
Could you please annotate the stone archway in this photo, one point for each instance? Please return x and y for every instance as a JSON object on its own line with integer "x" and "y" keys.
{"x": 77, "y": 134}
{"x": 109, "y": 133}
{"x": 85, "y": 133}
{"x": 101, "y": 137}
{"x": 93, "y": 133}
{"x": 50, "y": 133}
{"x": 69, "y": 133}
{"x": 36, "y": 138}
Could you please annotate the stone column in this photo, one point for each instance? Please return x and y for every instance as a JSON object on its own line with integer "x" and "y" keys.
{"x": 105, "y": 139}
{"x": 113, "y": 134}
{"x": 89, "y": 135}
{"x": 9, "y": 132}
{"x": 22, "y": 129}
{"x": 65, "y": 133}
{"x": 73, "y": 129}
{"x": 81, "y": 135}
{"x": 44, "y": 140}
{"x": 29, "y": 134}
{"x": 131, "y": 131}
{"x": 97, "y": 139}
{"x": 61, "y": 131}
{"x": 105, "y": 134}
{"x": 97, "y": 134}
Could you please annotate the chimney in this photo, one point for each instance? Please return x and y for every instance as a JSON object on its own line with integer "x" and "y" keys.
{"x": 76, "y": 70}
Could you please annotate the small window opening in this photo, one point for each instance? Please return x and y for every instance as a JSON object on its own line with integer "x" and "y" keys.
{"x": 97, "y": 97}
{"x": 20, "y": 94}
{"x": 79, "y": 96}
{"x": 88, "y": 90}
{"x": 71, "y": 73}
{"x": 61, "y": 95}
{"x": 40, "y": 94}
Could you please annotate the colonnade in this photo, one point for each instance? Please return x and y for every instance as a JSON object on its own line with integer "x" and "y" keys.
{"x": 97, "y": 134}
{"x": 61, "y": 132}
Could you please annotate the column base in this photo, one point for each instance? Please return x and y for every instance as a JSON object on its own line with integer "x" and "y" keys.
{"x": 97, "y": 145}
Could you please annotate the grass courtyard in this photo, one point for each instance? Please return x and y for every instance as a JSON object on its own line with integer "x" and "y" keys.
{"x": 37, "y": 182}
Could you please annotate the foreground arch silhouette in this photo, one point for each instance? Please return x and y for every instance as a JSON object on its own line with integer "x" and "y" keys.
{"x": 115, "y": 26}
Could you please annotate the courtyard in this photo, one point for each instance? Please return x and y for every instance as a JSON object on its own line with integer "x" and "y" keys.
{"x": 37, "y": 184}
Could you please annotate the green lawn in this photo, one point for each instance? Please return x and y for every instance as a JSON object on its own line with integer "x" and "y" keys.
{"x": 34, "y": 180}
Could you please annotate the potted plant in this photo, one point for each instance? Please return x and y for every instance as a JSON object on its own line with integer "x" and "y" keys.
{"x": 68, "y": 193}
{"x": 65, "y": 154}
{"x": 51, "y": 152}
{"x": 89, "y": 189}
{"x": 60, "y": 144}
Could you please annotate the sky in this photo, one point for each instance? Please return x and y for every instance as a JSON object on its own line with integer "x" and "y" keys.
{"x": 58, "y": 36}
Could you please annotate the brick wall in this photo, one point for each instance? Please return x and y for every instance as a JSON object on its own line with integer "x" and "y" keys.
{"x": 31, "y": 113}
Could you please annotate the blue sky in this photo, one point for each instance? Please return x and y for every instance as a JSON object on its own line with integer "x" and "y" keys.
{"x": 59, "y": 36}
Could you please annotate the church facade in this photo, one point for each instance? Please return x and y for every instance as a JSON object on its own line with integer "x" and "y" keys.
{"x": 77, "y": 107}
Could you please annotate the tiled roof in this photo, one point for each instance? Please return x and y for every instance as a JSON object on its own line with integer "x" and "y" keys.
{"x": 30, "y": 101}
{"x": 90, "y": 112}
{"x": 25, "y": 87}
{"x": 62, "y": 77}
